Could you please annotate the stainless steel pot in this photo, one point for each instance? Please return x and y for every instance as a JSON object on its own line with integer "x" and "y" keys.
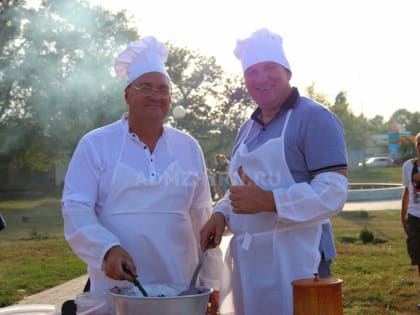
{"x": 128, "y": 304}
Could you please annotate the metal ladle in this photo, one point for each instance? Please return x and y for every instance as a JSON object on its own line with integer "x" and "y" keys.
{"x": 135, "y": 281}
{"x": 192, "y": 289}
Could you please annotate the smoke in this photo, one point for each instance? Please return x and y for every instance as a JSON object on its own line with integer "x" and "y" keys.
{"x": 56, "y": 72}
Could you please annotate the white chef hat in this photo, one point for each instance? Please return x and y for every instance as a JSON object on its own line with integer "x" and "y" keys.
{"x": 140, "y": 57}
{"x": 262, "y": 45}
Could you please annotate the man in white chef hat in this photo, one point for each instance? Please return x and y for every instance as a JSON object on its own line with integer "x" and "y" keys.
{"x": 136, "y": 191}
{"x": 289, "y": 175}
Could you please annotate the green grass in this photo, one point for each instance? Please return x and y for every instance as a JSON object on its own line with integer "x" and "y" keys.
{"x": 391, "y": 174}
{"x": 378, "y": 277}
{"x": 33, "y": 253}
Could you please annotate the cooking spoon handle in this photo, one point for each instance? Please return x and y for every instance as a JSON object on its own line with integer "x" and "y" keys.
{"x": 135, "y": 281}
{"x": 200, "y": 263}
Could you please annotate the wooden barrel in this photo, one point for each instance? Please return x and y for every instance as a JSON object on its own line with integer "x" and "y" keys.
{"x": 317, "y": 296}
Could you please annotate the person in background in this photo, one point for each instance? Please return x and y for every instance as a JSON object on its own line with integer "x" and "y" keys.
{"x": 222, "y": 176}
{"x": 130, "y": 202}
{"x": 212, "y": 182}
{"x": 289, "y": 175}
{"x": 410, "y": 206}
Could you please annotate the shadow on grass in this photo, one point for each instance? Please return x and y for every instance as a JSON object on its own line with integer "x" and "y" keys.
{"x": 362, "y": 217}
{"x": 356, "y": 240}
{"x": 362, "y": 214}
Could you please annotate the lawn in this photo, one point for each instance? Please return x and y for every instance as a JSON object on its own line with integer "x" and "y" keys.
{"x": 33, "y": 253}
{"x": 391, "y": 174}
{"x": 378, "y": 278}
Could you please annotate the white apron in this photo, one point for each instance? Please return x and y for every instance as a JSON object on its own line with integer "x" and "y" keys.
{"x": 151, "y": 220}
{"x": 266, "y": 254}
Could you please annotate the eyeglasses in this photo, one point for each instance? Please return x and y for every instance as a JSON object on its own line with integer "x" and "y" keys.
{"x": 147, "y": 90}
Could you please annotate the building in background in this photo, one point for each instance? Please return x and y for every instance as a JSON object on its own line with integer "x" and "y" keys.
{"x": 396, "y": 145}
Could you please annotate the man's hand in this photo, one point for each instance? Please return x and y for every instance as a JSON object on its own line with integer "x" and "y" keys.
{"x": 404, "y": 224}
{"x": 249, "y": 198}
{"x": 114, "y": 260}
{"x": 214, "y": 228}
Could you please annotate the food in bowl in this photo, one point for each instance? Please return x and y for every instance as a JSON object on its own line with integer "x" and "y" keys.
{"x": 163, "y": 299}
{"x": 156, "y": 290}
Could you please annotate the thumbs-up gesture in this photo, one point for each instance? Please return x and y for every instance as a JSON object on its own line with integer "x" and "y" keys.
{"x": 244, "y": 177}
{"x": 250, "y": 198}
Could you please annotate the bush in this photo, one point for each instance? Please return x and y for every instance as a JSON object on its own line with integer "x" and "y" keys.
{"x": 366, "y": 235}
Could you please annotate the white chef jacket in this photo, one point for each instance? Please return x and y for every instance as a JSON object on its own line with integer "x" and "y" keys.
{"x": 88, "y": 181}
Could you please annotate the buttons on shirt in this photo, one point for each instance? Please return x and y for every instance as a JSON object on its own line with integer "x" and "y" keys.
{"x": 152, "y": 171}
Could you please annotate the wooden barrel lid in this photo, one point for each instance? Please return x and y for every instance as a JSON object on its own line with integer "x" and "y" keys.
{"x": 316, "y": 282}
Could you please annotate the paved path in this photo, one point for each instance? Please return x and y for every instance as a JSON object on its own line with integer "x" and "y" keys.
{"x": 373, "y": 205}
{"x": 68, "y": 290}
{"x": 59, "y": 294}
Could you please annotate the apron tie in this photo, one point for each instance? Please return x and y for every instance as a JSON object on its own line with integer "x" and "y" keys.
{"x": 245, "y": 239}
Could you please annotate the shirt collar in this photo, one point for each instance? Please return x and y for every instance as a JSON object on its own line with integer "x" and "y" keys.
{"x": 124, "y": 124}
{"x": 290, "y": 102}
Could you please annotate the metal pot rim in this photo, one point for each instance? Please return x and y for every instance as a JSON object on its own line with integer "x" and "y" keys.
{"x": 206, "y": 291}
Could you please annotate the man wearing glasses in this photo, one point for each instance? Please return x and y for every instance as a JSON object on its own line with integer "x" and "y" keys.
{"x": 131, "y": 201}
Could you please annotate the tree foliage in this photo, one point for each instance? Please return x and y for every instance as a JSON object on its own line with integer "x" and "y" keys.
{"x": 407, "y": 148}
{"x": 57, "y": 83}
{"x": 359, "y": 129}
{"x": 57, "y": 80}
{"x": 233, "y": 106}
{"x": 216, "y": 104}
{"x": 355, "y": 127}
{"x": 312, "y": 93}
{"x": 56, "y": 75}
{"x": 195, "y": 79}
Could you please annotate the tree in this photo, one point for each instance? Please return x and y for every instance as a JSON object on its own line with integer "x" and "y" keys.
{"x": 56, "y": 79}
{"x": 216, "y": 104}
{"x": 413, "y": 123}
{"x": 57, "y": 82}
{"x": 406, "y": 149}
{"x": 356, "y": 127}
{"x": 400, "y": 116}
{"x": 195, "y": 78}
{"x": 377, "y": 125}
{"x": 233, "y": 107}
{"x": 321, "y": 98}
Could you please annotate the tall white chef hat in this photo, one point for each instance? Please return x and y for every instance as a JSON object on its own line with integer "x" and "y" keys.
{"x": 140, "y": 57}
{"x": 262, "y": 45}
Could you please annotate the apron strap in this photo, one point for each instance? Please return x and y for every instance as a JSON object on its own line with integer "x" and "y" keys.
{"x": 246, "y": 237}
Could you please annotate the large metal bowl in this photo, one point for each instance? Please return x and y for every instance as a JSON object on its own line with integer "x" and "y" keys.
{"x": 128, "y": 304}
